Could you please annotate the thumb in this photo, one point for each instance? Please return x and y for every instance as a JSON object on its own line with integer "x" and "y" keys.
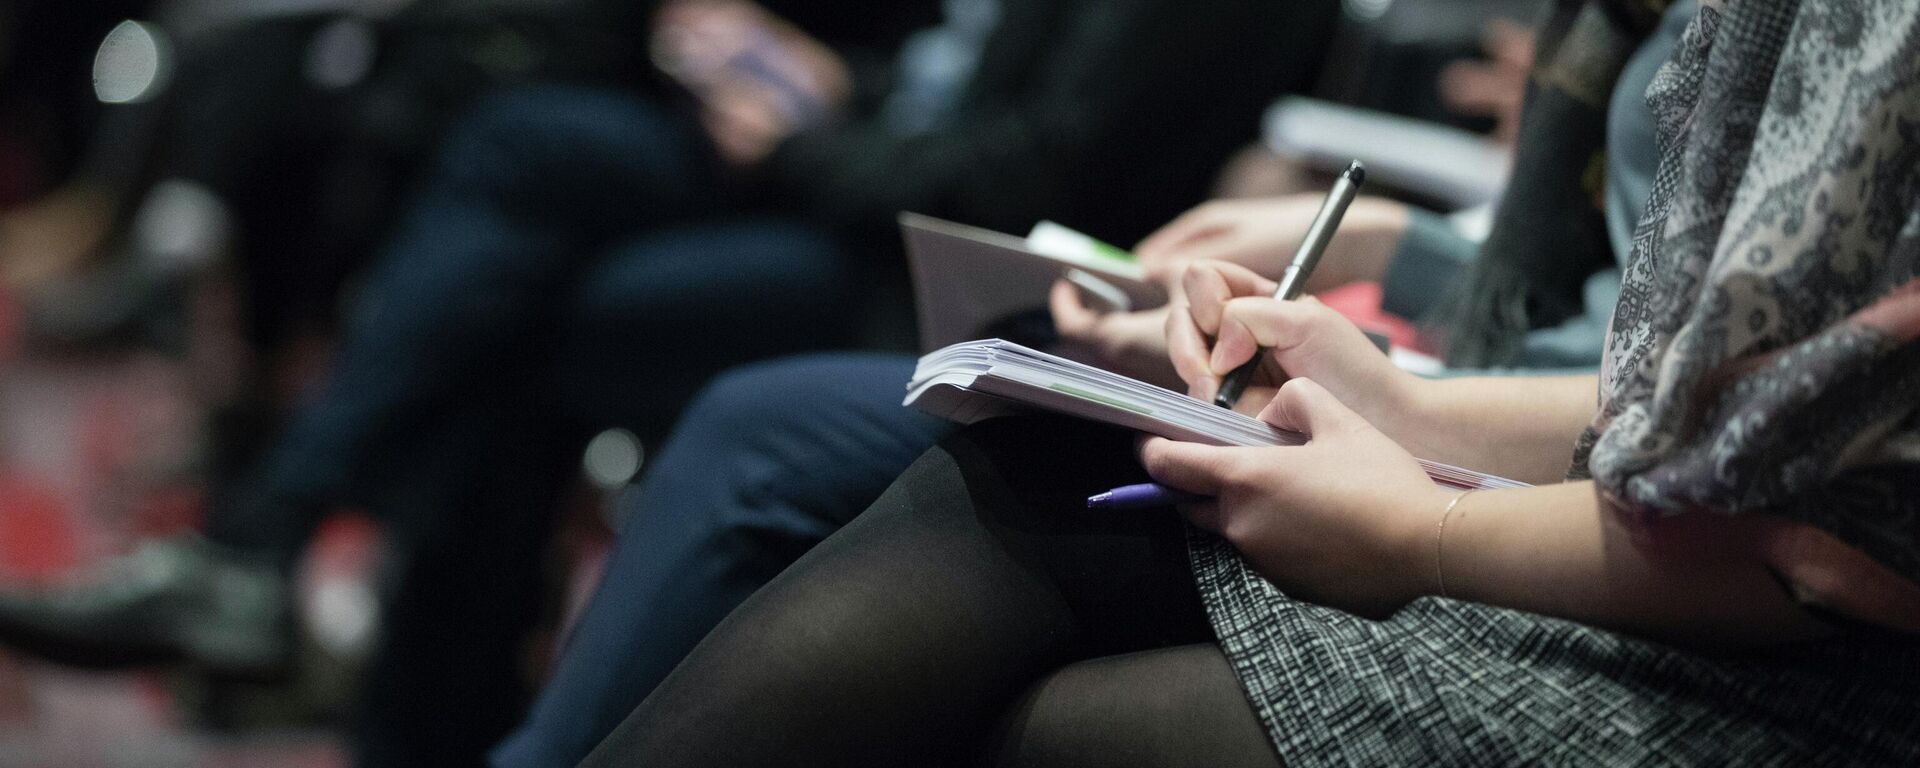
{"x": 1302, "y": 405}
{"x": 1071, "y": 317}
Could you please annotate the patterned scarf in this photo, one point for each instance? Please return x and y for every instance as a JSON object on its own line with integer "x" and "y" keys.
{"x": 1765, "y": 353}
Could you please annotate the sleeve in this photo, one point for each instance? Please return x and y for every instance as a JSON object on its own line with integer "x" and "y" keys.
{"x": 1429, "y": 259}
{"x": 1070, "y": 110}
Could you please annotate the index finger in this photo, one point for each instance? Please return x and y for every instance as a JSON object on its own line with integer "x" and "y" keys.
{"x": 1190, "y": 467}
{"x": 1187, "y": 349}
{"x": 1210, "y": 285}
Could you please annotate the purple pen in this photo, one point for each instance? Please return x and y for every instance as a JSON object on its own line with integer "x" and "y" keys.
{"x": 1143, "y": 496}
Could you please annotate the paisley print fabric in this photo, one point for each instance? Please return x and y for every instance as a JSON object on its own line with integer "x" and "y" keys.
{"x": 1763, "y": 355}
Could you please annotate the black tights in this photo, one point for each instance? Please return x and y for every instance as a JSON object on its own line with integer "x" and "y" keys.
{"x": 975, "y": 613}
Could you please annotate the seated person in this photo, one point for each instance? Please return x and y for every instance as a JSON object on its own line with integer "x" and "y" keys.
{"x": 1721, "y": 564}
{"x": 748, "y": 482}
{"x": 569, "y": 239}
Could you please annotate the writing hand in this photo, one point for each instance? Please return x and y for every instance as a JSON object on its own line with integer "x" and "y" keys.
{"x": 1225, "y": 314}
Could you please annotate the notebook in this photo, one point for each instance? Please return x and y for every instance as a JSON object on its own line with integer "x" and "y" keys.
{"x": 975, "y": 380}
{"x": 969, "y": 282}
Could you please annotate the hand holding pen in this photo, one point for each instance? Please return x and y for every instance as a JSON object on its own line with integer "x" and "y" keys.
{"x": 1294, "y": 280}
{"x": 1199, "y": 339}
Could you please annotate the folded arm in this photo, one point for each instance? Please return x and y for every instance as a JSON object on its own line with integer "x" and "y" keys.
{"x": 1698, "y": 579}
{"x": 1127, "y": 99}
{"x": 1350, "y": 520}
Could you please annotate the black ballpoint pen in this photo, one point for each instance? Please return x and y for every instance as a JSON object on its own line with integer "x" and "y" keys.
{"x": 1319, "y": 234}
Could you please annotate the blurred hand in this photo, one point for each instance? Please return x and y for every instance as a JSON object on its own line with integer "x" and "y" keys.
{"x": 1262, "y": 234}
{"x": 1128, "y": 343}
{"x": 1345, "y": 520}
{"x": 54, "y": 236}
{"x": 759, "y": 77}
{"x": 1225, "y": 314}
{"x": 1257, "y": 171}
{"x": 745, "y": 121}
{"x": 1496, "y": 86}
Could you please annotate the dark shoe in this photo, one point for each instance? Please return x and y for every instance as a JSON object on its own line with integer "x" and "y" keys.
{"x": 170, "y": 601}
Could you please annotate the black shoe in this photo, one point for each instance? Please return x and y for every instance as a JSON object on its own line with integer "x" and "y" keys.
{"x": 180, "y": 600}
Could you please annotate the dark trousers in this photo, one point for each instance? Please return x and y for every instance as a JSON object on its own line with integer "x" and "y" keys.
{"x": 765, "y": 464}
{"x": 574, "y": 263}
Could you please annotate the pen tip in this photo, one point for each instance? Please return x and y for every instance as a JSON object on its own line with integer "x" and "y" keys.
{"x": 1099, "y": 500}
{"x": 1357, "y": 172}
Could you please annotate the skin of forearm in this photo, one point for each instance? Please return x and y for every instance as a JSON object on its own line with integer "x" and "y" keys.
{"x": 1695, "y": 580}
{"x": 1521, "y": 427}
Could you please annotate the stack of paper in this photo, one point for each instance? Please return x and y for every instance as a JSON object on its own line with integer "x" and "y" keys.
{"x": 974, "y": 380}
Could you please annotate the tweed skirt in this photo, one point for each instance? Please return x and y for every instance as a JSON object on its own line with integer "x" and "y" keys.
{"x": 1446, "y": 682}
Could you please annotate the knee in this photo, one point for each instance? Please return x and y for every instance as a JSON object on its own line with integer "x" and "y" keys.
{"x": 510, "y": 117}
{"x": 751, "y": 399}
{"x": 729, "y": 447}
{"x": 1044, "y": 727}
{"x": 688, "y": 280}
{"x": 1177, "y": 706}
{"x": 795, "y": 398}
{"x": 517, "y": 137}
{"x": 793, "y": 446}
{"x": 488, "y": 151}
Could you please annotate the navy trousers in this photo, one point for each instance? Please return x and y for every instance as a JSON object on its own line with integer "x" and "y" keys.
{"x": 575, "y": 262}
{"x": 544, "y": 198}
{"x": 766, "y": 463}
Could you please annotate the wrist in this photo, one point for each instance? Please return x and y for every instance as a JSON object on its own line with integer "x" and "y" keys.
{"x": 1422, "y": 549}
{"x": 1378, "y": 216}
{"x": 1408, "y": 411}
{"x": 1452, "y": 513}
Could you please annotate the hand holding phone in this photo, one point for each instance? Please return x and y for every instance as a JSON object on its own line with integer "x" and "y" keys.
{"x": 759, "y": 77}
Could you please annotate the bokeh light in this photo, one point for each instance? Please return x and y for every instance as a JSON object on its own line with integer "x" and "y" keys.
{"x": 131, "y": 65}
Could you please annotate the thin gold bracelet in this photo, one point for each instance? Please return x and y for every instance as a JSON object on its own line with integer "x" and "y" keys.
{"x": 1440, "y": 539}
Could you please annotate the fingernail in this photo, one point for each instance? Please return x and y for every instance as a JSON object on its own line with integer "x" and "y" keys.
{"x": 1218, "y": 364}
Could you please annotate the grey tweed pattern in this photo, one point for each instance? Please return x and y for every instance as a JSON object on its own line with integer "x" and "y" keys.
{"x": 1445, "y": 682}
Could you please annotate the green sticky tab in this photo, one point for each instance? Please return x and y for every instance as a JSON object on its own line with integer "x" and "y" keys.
{"x": 1063, "y": 242}
{"x": 1102, "y": 399}
{"x": 1113, "y": 252}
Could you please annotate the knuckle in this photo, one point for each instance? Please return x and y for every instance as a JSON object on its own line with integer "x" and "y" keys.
{"x": 1237, "y": 476}
{"x": 1317, "y": 313}
{"x": 1193, "y": 275}
{"x": 1242, "y": 313}
{"x": 1154, "y": 458}
{"x": 1238, "y": 529}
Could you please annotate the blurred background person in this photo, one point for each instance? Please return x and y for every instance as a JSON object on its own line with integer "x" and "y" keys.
{"x": 567, "y": 235}
{"x": 748, "y": 483}
{"x": 264, "y": 147}
{"x": 261, "y": 186}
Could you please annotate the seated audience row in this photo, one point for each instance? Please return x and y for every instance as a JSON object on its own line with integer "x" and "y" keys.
{"x": 1701, "y": 575}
